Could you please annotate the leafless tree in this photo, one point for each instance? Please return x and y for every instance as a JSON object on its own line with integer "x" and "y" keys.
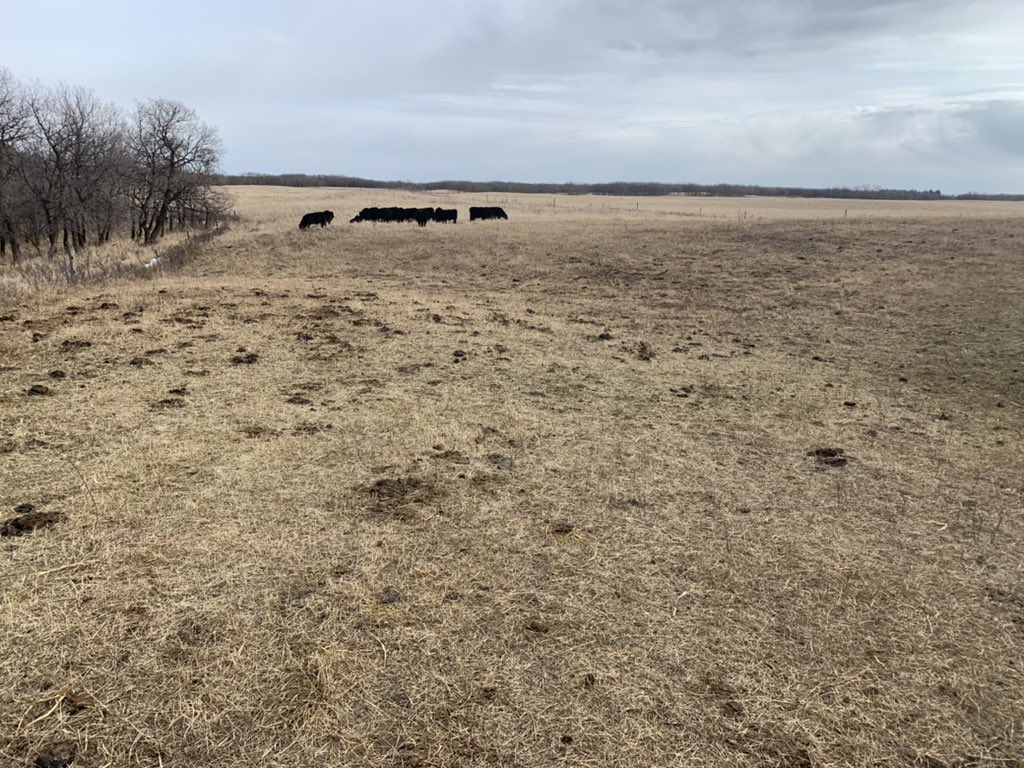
{"x": 14, "y": 121}
{"x": 73, "y": 170}
{"x": 175, "y": 158}
{"x": 72, "y": 164}
{"x": 95, "y": 166}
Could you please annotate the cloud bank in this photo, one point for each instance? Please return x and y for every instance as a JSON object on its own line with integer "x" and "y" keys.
{"x": 902, "y": 93}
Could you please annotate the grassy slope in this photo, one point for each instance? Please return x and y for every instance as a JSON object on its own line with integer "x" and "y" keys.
{"x": 515, "y": 493}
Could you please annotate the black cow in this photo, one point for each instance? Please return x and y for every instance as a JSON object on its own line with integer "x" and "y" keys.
{"x": 323, "y": 218}
{"x": 445, "y": 215}
{"x": 486, "y": 212}
{"x": 420, "y": 215}
{"x": 367, "y": 214}
{"x": 370, "y": 214}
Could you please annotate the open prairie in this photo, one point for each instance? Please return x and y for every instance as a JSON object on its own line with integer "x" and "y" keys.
{"x": 616, "y": 482}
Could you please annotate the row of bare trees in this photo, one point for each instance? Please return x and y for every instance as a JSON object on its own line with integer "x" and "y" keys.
{"x": 76, "y": 172}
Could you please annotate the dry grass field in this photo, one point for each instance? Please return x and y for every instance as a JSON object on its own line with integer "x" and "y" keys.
{"x": 617, "y": 482}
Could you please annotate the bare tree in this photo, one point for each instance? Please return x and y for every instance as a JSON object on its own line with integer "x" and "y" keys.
{"x": 175, "y": 158}
{"x": 43, "y": 165}
{"x": 97, "y": 166}
{"x": 72, "y": 162}
{"x": 74, "y": 170}
{"x": 14, "y": 121}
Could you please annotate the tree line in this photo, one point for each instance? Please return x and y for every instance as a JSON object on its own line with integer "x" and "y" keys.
{"x": 620, "y": 188}
{"x": 75, "y": 172}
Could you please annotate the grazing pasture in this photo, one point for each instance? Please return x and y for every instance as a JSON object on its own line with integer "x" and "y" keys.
{"x": 615, "y": 482}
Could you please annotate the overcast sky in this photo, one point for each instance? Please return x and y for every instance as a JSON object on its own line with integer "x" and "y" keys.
{"x": 925, "y": 94}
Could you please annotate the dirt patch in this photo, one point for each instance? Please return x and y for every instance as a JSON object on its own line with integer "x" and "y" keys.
{"x": 245, "y": 358}
{"x": 51, "y": 760}
{"x": 830, "y": 457}
{"x": 310, "y": 428}
{"x": 29, "y": 520}
{"x": 450, "y": 454}
{"x": 501, "y": 461}
{"x": 1011, "y": 600}
{"x": 168, "y": 404}
{"x": 394, "y": 488}
{"x": 413, "y": 367}
{"x": 494, "y": 436}
{"x": 400, "y": 497}
{"x": 259, "y": 430}
{"x": 537, "y": 626}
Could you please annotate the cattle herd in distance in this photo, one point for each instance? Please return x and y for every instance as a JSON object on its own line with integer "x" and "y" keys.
{"x": 420, "y": 215}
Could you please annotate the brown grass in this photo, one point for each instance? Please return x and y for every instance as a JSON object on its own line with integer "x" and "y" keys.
{"x": 525, "y": 493}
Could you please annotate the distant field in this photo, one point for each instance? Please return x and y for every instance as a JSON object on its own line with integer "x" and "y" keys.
{"x": 270, "y": 202}
{"x": 616, "y": 482}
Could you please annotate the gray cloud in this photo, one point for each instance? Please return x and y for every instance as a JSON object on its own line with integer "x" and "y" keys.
{"x": 811, "y": 92}
{"x": 998, "y": 126}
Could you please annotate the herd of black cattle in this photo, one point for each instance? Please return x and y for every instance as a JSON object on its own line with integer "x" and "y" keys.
{"x": 420, "y": 215}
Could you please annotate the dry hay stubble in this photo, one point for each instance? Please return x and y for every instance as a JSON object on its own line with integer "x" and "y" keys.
{"x": 552, "y": 546}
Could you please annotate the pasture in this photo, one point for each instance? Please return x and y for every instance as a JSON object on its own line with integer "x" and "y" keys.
{"x": 616, "y": 482}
